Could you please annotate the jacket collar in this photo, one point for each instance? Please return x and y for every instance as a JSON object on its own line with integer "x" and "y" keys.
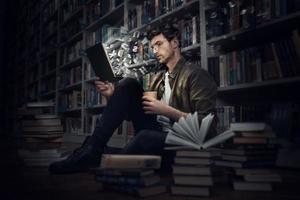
{"x": 177, "y": 67}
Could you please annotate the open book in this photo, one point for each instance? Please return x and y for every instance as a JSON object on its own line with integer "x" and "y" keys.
{"x": 187, "y": 133}
{"x": 101, "y": 63}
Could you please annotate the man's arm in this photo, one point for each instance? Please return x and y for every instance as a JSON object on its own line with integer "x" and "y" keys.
{"x": 202, "y": 92}
{"x": 154, "y": 106}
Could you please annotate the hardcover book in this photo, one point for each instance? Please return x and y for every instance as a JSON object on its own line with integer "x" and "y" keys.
{"x": 116, "y": 161}
{"x": 101, "y": 63}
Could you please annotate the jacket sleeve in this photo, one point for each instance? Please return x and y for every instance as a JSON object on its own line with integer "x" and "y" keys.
{"x": 203, "y": 94}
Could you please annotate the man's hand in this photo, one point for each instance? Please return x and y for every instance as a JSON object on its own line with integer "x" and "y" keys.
{"x": 154, "y": 106}
{"x": 104, "y": 88}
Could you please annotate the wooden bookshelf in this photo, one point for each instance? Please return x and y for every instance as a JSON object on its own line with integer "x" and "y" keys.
{"x": 69, "y": 36}
{"x": 261, "y": 84}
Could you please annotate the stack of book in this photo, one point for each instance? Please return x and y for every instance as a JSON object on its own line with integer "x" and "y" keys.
{"x": 42, "y": 134}
{"x": 192, "y": 172}
{"x": 251, "y": 155}
{"x": 131, "y": 174}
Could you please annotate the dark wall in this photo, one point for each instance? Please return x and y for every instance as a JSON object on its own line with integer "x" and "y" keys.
{"x": 2, "y": 34}
{"x": 2, "y": 64}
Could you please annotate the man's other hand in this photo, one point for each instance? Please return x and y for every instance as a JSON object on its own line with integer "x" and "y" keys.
{"x": 104, "y": 88}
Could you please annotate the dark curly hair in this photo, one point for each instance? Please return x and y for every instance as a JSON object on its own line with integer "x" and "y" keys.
{"x": 169, "y": 30}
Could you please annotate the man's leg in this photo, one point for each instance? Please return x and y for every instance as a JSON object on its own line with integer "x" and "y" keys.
{"x": 124, "y": 104}
{"x": 149, "y": 142}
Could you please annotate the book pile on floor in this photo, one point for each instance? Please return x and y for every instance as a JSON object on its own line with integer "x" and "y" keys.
{"x": 131, "y": 174}
{"x": 250, "y": 157}
{"x": 42, "y": 134}
{"x": 193, "y": 172}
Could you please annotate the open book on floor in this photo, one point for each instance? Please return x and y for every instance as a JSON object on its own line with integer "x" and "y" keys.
{"x": 187, "y": 132}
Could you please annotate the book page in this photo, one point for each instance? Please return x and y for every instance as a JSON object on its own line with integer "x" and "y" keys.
{"x": 183, "y": 122}
{"x": 218, "y": 139}
{"x": 179, "y": 130}
{"x": 190, "y": 120}
{"x": 205, "y": 124}
{"x": 172, "y": 139}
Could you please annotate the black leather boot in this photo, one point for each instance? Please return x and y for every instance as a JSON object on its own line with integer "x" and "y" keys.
{"x": 82, "y": 158}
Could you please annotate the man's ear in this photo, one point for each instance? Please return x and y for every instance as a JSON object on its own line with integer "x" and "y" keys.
{"x": 175, "y": 43}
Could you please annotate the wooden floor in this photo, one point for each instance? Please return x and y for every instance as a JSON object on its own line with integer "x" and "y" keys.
{"x": 37, "y": 183}
{"x": 19, "y": 182}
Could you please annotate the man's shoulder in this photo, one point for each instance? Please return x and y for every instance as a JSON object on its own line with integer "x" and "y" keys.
{"x": 192, "y": 68}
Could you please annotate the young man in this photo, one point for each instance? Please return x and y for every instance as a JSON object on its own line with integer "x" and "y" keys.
{"x": 182, "y": 88}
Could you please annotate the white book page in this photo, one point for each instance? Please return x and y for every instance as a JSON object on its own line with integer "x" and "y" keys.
{"x": 196, "y": 122}
{"x": 191, "y": 123}
{"x": 205, "y": 124}
{"x": 179, "y": 135}
{"x": 172, "y": 139}
{"x": 218, "y": 139}
{"x": 179, "y": 130}
{"x": 184, "y": 125}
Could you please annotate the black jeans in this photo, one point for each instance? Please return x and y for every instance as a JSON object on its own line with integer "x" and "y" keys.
{"x": 126, "y": 104}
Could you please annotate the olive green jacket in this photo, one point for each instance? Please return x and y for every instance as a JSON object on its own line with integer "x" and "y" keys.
{"x": 192, "y": 89}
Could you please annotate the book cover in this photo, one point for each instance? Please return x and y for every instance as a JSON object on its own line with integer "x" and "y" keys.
{"x": 193, "y": 180}
{"x": 248, "y": 186}
{"x": 192, "y": 170}
{"x": 124, "y": 172}
{"x": 117, "y": 161}
{"x": 249, "y": 126}
{"x": 125, "y": 180}
{"x": 137, "y": 191}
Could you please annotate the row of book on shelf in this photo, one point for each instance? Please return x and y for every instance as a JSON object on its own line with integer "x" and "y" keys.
{"x": 189, "y": 26}
{"x": 274, "y": 60}
{"x": 72, "y": 99}
{"x": 228, "y": 16}
{"x": 280, "y": 116}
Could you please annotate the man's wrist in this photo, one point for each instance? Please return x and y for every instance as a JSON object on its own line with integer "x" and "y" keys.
{"x": 176, "y": 114}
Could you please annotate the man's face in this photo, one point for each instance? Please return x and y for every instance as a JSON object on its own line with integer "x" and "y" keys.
{"x": 162, "y": 48}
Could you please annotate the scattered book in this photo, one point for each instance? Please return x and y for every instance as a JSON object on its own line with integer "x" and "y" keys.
{"x": 249, "y": 126}
{"x": 187, "y": 133}
{"x": 193, "y": 161}
{"x": 128, "y": 180}
{"x": 191, "y": 170}
{"x": 202, "y": 154}
{"x": 117, "y": 161}
{"x": 39, "y": 104}
{"x": 42, "y": 122}
{"x": 123, "y": 172}
{"x": 136, "y": 191}
{"x": 249, "y": 186}
{"x": 270, "y": 177}
{"x": 193, "y": 180}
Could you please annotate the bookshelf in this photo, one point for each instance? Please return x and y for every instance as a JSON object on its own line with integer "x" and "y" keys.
{"x": 52, "y": 35}
{"x": 258, "y": 64}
